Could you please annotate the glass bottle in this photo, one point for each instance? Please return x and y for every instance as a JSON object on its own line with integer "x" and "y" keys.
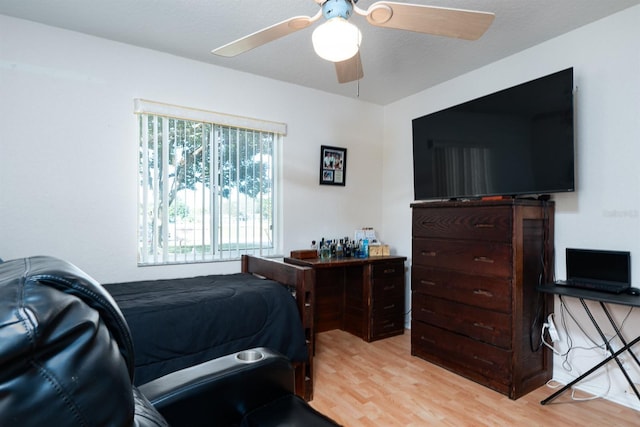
{"x": 325, "y": 251}
{"x": 365, "y": 248}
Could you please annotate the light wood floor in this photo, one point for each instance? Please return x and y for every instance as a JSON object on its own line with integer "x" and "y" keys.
{"x": 381, "y": 384}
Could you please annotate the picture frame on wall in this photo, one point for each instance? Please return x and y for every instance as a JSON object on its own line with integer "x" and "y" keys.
{"x": 333, "y": 165}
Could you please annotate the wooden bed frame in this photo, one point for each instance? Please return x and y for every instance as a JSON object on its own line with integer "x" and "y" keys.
{"x": 301, "y": 282}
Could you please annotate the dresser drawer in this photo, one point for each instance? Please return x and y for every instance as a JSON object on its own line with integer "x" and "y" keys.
{"x": 482, "y": 291}
{"x": 478, "y": 361}
{"x": 388, "y": 288}
{"x": 470, "y": 257}
{"x": 477, "y": 223}
{"x": 388, "y": 306}
{"x": 386, "y": 326}
{"x": 487, "y": 326}
{"x": 388, "y": 298}
{"x": 387, "y": 269}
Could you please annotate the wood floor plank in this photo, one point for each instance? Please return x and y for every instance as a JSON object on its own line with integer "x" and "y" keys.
{"x": 381, "y": 384}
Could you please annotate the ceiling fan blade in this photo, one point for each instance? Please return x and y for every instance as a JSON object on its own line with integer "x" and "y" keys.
{"x": 349, "y": 70}
{"x": 266, "y": 35}
{"x": 441, "y": 21}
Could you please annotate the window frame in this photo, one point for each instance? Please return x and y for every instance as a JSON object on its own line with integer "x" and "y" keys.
{"x": 249, "y": 132}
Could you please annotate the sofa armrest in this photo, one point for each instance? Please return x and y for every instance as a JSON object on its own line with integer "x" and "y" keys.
{"x": 222, "y": 389}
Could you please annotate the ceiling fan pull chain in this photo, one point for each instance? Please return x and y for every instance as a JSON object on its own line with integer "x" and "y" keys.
{"x": 358, "y": 63}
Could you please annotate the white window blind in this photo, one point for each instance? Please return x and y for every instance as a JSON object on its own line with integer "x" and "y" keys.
{"x": 208, "y": 185}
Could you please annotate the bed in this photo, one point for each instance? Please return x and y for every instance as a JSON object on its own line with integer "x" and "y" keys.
{"x": 177, "y": 323}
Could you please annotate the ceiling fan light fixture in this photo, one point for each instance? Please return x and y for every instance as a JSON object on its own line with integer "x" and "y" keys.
{"x": 336, "y": 40}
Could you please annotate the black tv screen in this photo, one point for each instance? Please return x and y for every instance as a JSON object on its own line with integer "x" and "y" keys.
{"x": 513, "y": 142}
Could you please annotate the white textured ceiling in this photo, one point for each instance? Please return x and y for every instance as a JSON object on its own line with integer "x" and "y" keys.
{"x": 396, "y": 63}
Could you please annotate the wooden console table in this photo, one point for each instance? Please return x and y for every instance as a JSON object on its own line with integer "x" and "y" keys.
{"x": 363, "y": 296}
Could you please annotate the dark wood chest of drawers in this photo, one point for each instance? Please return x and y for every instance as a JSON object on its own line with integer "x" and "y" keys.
{"x": 475, "y": 308}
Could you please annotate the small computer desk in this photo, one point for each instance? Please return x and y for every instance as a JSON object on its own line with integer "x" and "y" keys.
{"x": 602, "y": 298}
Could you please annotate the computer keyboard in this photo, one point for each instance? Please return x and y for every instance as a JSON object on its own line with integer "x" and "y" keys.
{"x": 611, "y": 287}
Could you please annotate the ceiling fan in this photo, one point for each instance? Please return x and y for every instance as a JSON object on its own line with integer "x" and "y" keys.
{"x": 338, "y": 40}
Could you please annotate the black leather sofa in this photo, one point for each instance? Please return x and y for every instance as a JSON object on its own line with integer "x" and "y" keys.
{"x": 66, "y": 359}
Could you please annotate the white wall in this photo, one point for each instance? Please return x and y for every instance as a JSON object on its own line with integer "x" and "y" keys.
{"x": 68, "y": 147}
{"x": 604, "y": 212}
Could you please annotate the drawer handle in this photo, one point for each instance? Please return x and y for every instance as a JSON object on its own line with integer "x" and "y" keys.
{"x": 425, "y": 310}
{"x": 389, "y": 271}
{"x": 389, "y": 325}
{"x": 483, "y": 292}
{"x": 484, "y": 225}
{"x": 428, "y": 253}
{"x": 427, "y": 282}
{"x": 388, "y": 307}
{"x": 427, "y": 339}
{"x": 483, "y": 259}
{"x": 389, "y": 287}
{"x": 483, "y": 326}
{"x": 488, "y": 362}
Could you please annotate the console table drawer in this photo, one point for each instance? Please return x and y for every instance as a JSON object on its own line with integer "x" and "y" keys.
{"x": 482, "y": 291}
{"x": 479, "y": 223}
{"x": 473, "y": 359}
{"x": 385, "y": 289}
{"x": 387, "y": 269}
{"x": 487, "y": 326}
{"x": 471, "y": 257}
{"x": 383, "y": 326}
{"x": 387, "y": 307}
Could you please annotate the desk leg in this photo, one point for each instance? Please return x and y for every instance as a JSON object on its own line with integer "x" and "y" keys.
{"x": 602, "y": 335}
{"x": 615, "y": 328}
{"x": 626, "y": 347}
{"x": 589, "y": 372}
{"x": 606, "y": 343}
{"x": 613, "y": 356}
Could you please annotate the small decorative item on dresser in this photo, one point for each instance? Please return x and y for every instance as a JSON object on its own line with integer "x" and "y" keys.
{"x": 378, "y": 250}
{"x": 304, "y": 254}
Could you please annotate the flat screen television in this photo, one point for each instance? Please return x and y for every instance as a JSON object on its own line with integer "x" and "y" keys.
{"x": 513, "y": 142}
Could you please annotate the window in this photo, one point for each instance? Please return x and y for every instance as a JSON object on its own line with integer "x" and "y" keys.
{"x": 208, "y": 185}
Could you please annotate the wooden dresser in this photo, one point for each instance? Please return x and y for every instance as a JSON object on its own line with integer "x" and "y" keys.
{"x": 475, "y": 307}
{"x": 363, "y": 296}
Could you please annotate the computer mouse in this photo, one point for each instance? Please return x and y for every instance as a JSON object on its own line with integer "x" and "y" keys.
{"x": 633, "y": 291}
